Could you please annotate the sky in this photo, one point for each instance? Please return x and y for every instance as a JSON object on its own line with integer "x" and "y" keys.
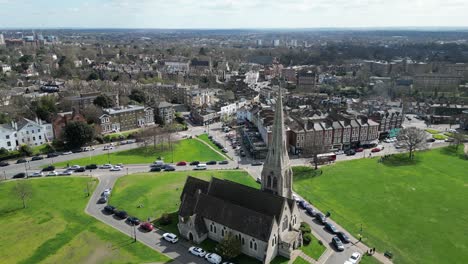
{"x": 232, "y": 13}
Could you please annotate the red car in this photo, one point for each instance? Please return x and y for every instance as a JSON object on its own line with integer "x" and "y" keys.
{"x": 359, "y": 150}
{"x": 147, "y": 226}
{"x": 181, "y": 163}
{"x": 375, "y": 150}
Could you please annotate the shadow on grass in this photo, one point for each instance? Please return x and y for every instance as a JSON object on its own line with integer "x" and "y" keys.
{"x": 398, "y": 160}
{"x": 304, "y": 172}
{"x": 124, "y": 243}
{"x": 168, "y": 226}
{"x": 454, "y": 152}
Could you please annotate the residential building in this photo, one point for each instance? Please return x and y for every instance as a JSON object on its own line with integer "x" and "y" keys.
{"x": 165, "y": 113}
{"x": 389, "y": 121}
{"x": 8, "y": 137}
{"x": 126, "y": 118}
{"x": 200, "y": 67}
{"x": 306, "y": 81}
{"x": 464, "y": 120}
{"x": 5, "y": 68}
{"x": 433, "y": 83}
{"x": 86, "y": 100}
{"x": 62, "y": 119}
{"x": 266, "y": 221}
{"x": 173, "y": 93}
{"x": 25, "y": 132}
{"x": 204, "y": 116}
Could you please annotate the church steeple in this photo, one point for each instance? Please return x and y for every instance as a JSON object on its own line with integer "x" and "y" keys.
{"x": 277, "y": 174}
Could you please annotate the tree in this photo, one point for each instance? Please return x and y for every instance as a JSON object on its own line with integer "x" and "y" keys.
{"x": 45, "y": 107}
{"x": 137, "y": 95}
{"x": 77, "y": 134}
{"x": 23, "y": 191}
{"x": 412, "y": 139}
{"x": 229, "y": 247}
{"x": 92, "y": 114}
{"x": 314, "y": 151}
{"x": 93, "y": 76}
{"x": 25, "y": 150}
{"x": 458, "y": 138}
{"x": 104, "y": 101}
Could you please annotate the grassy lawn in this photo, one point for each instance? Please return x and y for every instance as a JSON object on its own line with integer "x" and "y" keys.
{"x": 160, "y": 192}
{"x": 432, "y": 131}
{"x": 205, "y": 138}
{"x": 55, "y": 229}
{"x": 439, "y": 137}
{"x": 314, "y": 249}
{"x": 417, "y": 210}
{"x": 187, "y": 149}
{"x": 365, "y": 259}
{"x": 300, "y": 260}
{"x": 118, "y": 135}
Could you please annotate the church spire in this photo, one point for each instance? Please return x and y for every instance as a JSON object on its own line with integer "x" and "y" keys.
{"x": 276, "y": 173}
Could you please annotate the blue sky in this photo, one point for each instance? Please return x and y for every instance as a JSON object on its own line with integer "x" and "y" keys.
{"x": 232, "y": 13}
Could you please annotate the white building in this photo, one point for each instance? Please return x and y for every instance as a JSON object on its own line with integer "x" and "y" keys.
{"x": 5, "y": 68}
{"x": 231, "y": 109}
{"x": 25, "y": 132}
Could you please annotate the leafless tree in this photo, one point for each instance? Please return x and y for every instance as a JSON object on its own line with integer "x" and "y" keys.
{"x": 314, "y": 151}
{"x": 23, "y": 191}
{"x": 412, "y": 139}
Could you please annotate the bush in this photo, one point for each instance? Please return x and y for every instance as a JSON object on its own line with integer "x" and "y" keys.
{"x": 25, "y": 150}
{"x": 305, "y": 228}
{"x": 307, "y": 238}
{"x": 165, "y": 219}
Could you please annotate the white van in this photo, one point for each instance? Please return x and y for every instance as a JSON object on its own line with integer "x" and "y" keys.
{"x": 200, "y": 166}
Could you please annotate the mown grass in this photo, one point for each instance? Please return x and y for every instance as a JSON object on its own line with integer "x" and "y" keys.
{"x": 184, "y": 150}
{"x": 417, "y": 210}
{"x": 300, "y": 260}
{"x": 55, "y": 229}
{"x": 314, "y": 249}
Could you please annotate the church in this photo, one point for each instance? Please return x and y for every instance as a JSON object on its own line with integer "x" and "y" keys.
{"x": 265, "y": 221}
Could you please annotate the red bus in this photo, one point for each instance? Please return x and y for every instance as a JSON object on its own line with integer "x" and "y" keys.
{"x": 326, "y": 158}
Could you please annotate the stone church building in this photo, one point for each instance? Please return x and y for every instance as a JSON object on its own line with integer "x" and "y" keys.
{"x": 265, "y": 221}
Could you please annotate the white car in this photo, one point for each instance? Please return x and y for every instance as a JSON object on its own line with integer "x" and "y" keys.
{"x": 116, "y": 168}
{"x": 170, "y": 238}
{"x": 355, "y": 258}
{"x": 108, "y": 148}
{"x": 75, "y": 167}
{"x": 67, "y": 153}
{"x": 339, "y": 152}
{"x": 197, "y": 251}
{"x": 106, "y": 192}
{"x": 52, "y": 173}
{"x": 36, "y": 174}
{"x": 106, "y": 166}
{"x": 66, "y": 172}
{"x": 213, "y": 258}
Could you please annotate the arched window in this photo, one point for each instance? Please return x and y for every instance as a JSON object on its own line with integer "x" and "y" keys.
{"x": 223, "y": 231}
{"x": 255, "y": 246}
{"x": 251, "y": 244}
{"x": 275, "y": 182}
{"x": 214, "y": 229}
{"x": 285, "y": 222}
{"x": 243, "y": 241}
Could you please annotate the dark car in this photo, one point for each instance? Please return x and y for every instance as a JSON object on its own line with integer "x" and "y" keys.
{"x": 211, "y": 162}
{"x": 121, "y": 214}
{"x": 337, "y": 243}
{"x": 77, "y": 150}
{"x": 343, "y": 237}
{"x": 169, "y": 168}
{"x": 91, "y": 167}
{"x": 242, "y": 153}
{"x": 133, "y": 221}
{"x": 224, "y": 162}
{"x": 80, "y": 169}
{"x": 155, "y": 169}
{"x": 110, "y": 209}
{"x": 37, "y": 158}
{"x": 210, "y": 137}
{"x": 49, "y": 168}
{"x": 321, "y": 218}
{"x": 302, "y": 204}
{"x": 4, "y": 163}
{"x": 257, "y": 163}
{"x": 52, "y": 155}
{"x": 331, "y": 228}
{"x": 21, "y": 161}
{"x": 194, "y": 163}
{"x": 102, "y": 200}
{"x": 430, "y": 140}
{"x": 19, "y": 175}
{"x": 310, "y": 211}
{"x": 350, "y": 152}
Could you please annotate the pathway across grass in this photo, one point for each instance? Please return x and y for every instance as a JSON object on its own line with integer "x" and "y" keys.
{"x": 55, "y": 229}
{"x": 184, "y": 150}
{"x": 417, "y": 210}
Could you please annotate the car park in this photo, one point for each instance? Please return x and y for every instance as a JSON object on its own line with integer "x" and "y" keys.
{"x": 194, "y": 163}
{"x": 200, "y": 166}
{"x": 106, "y": 192}
{"x": 181, "y": 163}
{"x": 213, "y": 258}
{"x": 211, "y": 162}
{"x": 121, "y": 214}
{"x": 134, "y": 221}
{"x": 21, "y": 161}
{"x": 355, "y": 257}
{"x": 36, "y": 174}
{"x": 223, "y": 162}
{"x": 170, "y": 237}
{"x": 102, "y": 200}
{"x": 147, "y": 226}
{"x": 106, "y": 166}
{"x": 331, "y": 228}
{"x": 49, "y": 168}
{"x": 19, "y": 175}
{"x": 110, "y": 209}
{"x": 337, "y": 243}
{"x": 310, "y": 211}
{"x": 343, "y": 237}
{"x": 321, "y": 218}
{"x": 197, "y": 251}
{"x": 37, "y": 158}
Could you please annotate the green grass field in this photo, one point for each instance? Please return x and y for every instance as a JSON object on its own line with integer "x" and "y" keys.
{"x": 204, "y": 138}
{"x": 160, "y": 192}
{"x": 300, "y": 260}
{"x": 55, "y": 229}
{"x": 314, "y": 249}
{"x": 187, "y": 150}
{"x": 417, "y": 210}
{"x": 432, "y": 131}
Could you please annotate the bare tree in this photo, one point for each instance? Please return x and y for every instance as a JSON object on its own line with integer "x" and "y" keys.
{"x": 23, "y": 191}
{"x": 412, "y": 139}
{"x": 314, "y": 151}
{"x": 458, "y": 139}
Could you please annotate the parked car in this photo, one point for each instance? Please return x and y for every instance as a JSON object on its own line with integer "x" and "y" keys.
{"x": 200, "y": 166}
{"x": 155, "y": 169}
{"x": 169, "y": 168}
{"x": 49, "y": 168}
{"x": 257, "y": 163}
{"x": 194, "y": 163}
{"x": 81, "y": 169}
{"x": 223, "y": 162}
{"x": 115, "y": 168}
{"x": 449, "y": 140}
{"x": 102, "y": 200}
{"x": 224, "y": 150}
{"x": 170, "y": 237}
{"x": 52, "y": 155}
{"x": 21, "y": 161}
{"x": 430, "y": 140}
{"x": 67, "y": 153}
{"x": 359, "y": 150}
{"x": 343, "y": 237}
{"x": 374, "y": 150}
{"x": 134, "y": 221}
{"x": 74, "y": 167}
{"x": 350, "y": 152}
{"x": 242, "y": 153}
{"x": 181, "y": 163}
{"x": 339, "y": 152}
{"x": 302, "y": 204}
{"x": 4, "y": 163}
{"x": 211, "y": 162}
{"x": 106, "y": 192}
{"x": 331, "y": 228}
{"x": 52, "y": 173}
{"x": 91, "y": 167}
{"x": 121, "y": 214}
{"x": 259, "y": 180}
{"x": 66, "y": 173}
{"x": 213, "y": 258}
{"x": 37, "y": 158}
{"x": 321, "y": 218}
{"x": 197, "y": 251}
{"x": 110, "y": 209}
{"x": 106, "y": 166}
{"x": 147, "y": 226}
{"x": 36, "y": 174}
{"x": 337, "y": 243}
{"x": 19, "y": 175}
{"x": 310, "y": 211}
{"x": 355, "y": 257}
